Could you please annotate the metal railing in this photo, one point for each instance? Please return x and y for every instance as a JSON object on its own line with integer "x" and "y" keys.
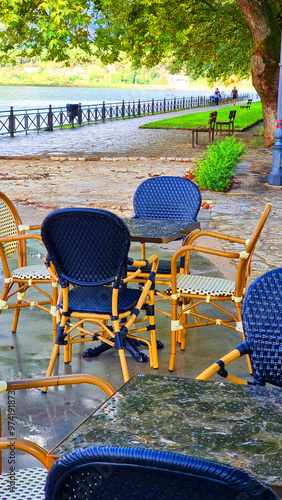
{"x": 48, "y": 119}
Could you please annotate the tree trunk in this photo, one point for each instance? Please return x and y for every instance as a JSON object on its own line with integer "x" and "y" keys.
{"x": 261, "y": 16}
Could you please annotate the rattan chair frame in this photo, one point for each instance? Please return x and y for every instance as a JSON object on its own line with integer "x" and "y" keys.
{"x": 13, "y": 240}
{"x": 186, "y": 303}
{"x": 262, "y": 335}
{"x": 26, "y": 445}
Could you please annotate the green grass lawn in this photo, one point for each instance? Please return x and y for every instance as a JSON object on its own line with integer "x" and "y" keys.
{"x": 244, "y": 118}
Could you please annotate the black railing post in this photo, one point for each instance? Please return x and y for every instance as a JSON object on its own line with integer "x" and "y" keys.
{"x": 133, "y": 108}
{"x": 128, "y": 110}
{"x": 183, "y": 103}
{"x": 88, "y": 114}
{"x": 104, "y": 111}
{"x": 38, "y": 121}
{"x": 26, "y": 122}
{"x": 79, "y": 114}
{"x": 174, "y": 104}
{"x": 122, "y": 109}
{"x": 50, "y": 120}
{"x": 139, "y": 108}
{"x": 61, "y": 115}
{"x": 164, "y": 104}
{"x": 11, "y": 122}
{"x": 153, "y": 106}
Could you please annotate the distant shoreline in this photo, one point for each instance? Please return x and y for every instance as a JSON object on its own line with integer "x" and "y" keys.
{"x": 120, "y": 86}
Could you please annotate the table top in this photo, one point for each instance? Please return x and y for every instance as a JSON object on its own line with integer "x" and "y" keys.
{"x": 159, "y": 230}
{"x": 222, "y": 422}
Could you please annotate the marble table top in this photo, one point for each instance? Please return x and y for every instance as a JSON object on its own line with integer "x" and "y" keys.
{"x": 222, "y": 422}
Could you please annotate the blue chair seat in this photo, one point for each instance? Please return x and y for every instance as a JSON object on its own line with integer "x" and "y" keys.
{"x": 98, "y": 299}
{"x": 164, "y": 267}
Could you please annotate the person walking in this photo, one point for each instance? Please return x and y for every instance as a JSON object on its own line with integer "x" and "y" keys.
{"x": 217, "y": 96}
{"x": 234, "y": 93}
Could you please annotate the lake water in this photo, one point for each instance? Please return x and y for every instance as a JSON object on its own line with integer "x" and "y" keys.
{"x": 41, "y": 97}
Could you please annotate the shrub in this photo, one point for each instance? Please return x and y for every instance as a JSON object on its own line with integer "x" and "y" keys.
{"x": 215, "y": 170}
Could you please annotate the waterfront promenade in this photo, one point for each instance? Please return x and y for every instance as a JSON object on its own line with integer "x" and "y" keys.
{"x": 116, "y": 138}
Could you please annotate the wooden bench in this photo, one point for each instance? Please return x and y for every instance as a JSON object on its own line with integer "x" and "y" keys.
{"x": 248, "y": 105}
{"x": 205, "y": 128}
{"x": 229, "y": 123}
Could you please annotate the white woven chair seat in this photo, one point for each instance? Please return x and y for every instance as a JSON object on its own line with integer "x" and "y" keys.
{"x": 201, "y": 285}
{"x": 31, "y": 272}
{"x": 29, "y": 485}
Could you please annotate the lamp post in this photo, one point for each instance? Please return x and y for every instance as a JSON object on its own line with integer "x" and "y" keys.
{"x": 275, "y": 178}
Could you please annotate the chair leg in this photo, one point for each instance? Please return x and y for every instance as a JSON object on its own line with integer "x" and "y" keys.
{"x": 55, "y": 352}
{"x": 153, "y": 338}
{"x": 123, "y": 365}
{"x": 16, "y": 316}
{"x": 192, "y": 138}
{"x": 174, "y": 306}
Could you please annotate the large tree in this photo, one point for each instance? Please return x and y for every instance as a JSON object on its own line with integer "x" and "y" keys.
{"x": 213, "y": 38}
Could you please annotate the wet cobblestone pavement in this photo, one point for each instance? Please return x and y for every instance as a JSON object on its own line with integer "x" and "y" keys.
{"x": 102, "y": 165}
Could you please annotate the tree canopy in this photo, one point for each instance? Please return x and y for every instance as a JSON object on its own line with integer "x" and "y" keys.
{"x": 212, "y": 38}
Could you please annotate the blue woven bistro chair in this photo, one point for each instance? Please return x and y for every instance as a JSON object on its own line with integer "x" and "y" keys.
{"x": 107, "y": 473}
{"x": 165, "y": 198}
{"x": 88, "y": 256}
{"x": 262, "y": 325}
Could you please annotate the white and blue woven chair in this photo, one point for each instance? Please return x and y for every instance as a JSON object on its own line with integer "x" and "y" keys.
{"x": 190, "y": 293}
{"x": 19, "y": 282}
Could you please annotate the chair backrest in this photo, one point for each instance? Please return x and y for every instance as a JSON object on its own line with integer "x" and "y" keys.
{"x": 166, "y": 197}
{"x": 117, "y": 473}
{"x": 212, "y": 120}
{"x": 9, "y": 222}
{"x": 262, "y": 323}
{"x": 232, "y": 115}
{"x": 244, "y": 268}
{"x": 87, "y": 246}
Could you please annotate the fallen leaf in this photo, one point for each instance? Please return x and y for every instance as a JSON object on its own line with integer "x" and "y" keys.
{"x": 255, "y": 209}
{"x": 267, "y": 199}
{"x": 263, "y": 173}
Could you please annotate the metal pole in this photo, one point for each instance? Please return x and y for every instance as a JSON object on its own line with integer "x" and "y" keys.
{"x": 275, "y": 178}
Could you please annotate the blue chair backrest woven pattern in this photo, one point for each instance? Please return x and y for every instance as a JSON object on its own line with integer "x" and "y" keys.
{"x": 262, "y": 323}
{"x": 107, "y": 473}
{"x": 167, "y": 198}
{"x": 87, "y": 246}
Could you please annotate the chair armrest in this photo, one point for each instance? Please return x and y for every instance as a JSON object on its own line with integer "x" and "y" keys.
{"x": 191, "y": 237}
{"x": 23, "y": 227}
{"x": 154, "y": 260}
{"x": 21, "y": 237}
{"x": 215, "y": 368}
{"x": 209, "y": 251}
{"x": 51, "y": 268}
